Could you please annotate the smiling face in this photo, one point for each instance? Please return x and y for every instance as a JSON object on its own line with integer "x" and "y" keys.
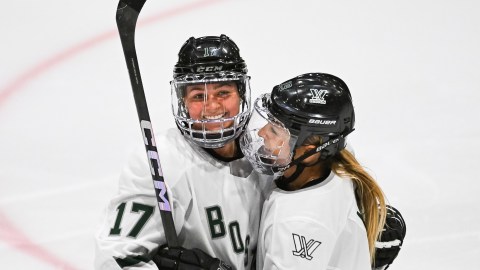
{"x": 212, "y": 101}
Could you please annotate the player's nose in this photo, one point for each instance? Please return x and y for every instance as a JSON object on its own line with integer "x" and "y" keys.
{"x": 262, "y": 132}
{"x": 212, "y": 103}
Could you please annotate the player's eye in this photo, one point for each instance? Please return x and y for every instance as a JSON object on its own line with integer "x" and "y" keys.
{"x": 223, "y": 93}
{"x": 197, "y": 97}
{"x": 272, "y": 129}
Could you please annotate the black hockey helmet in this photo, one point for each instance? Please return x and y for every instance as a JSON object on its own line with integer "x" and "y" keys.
{"x": 209, "y": 54}
{"x": 208, "y": 61}
{"x": 310, "y": 104}
{"x": 313, "y": 104}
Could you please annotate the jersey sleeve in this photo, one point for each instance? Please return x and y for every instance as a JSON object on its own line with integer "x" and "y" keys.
{"x": 131, "y": 229}
{"x": 298, "y": 244}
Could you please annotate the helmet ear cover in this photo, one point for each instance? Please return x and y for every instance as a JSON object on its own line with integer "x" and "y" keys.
{"x": 330, "y": 147}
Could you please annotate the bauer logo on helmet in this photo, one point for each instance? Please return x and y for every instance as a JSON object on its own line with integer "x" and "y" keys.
{"x": 322, "y": 122}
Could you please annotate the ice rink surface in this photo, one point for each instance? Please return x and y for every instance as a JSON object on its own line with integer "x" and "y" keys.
{"x": 68, "y": 119}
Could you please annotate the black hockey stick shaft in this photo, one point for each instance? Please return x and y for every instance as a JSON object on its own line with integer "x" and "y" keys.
{"x": 127, "y": 15}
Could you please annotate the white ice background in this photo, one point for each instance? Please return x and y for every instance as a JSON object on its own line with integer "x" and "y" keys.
{"x": 68, "y": 119}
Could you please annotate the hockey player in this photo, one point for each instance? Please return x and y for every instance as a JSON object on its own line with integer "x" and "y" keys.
{"x": 216, "y": 196}
{"x": 327, "y": 211}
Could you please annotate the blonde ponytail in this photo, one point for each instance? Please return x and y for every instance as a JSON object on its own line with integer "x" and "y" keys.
{"x": 370, "y": 197}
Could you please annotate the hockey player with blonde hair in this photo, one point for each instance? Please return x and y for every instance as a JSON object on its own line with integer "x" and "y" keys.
{"x": 327, "y": 212}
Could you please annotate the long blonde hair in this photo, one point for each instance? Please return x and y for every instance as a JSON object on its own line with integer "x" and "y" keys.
{"x": 370, "y": 197}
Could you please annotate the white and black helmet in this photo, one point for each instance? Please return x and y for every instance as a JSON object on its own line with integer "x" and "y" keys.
{"x": 206, "y": 63}
{"x": 310, "y": 104}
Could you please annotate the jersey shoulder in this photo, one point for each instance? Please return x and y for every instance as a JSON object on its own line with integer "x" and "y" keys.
{"x": 175, "y": 150}
{"x": 328, "y": 203}
{"x": 173, "y": 154}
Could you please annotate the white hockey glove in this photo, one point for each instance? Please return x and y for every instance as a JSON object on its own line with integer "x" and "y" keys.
{"x": 389, "y": 244}
{"x": 187, "y": 259}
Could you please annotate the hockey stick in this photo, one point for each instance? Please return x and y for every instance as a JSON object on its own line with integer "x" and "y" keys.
{"x": 127, "y": 15}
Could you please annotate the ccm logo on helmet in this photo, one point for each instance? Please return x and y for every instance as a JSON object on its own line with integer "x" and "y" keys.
{"x": 322, "y": 122}
{"x": 286, "y": 85}
{"x": 209, "y": 68}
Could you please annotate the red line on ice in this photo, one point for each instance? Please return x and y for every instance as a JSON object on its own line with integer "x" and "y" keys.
{"x": 8, "y": 232}
{"x": 29, "y": 75}
{"x": 15, "y": 238}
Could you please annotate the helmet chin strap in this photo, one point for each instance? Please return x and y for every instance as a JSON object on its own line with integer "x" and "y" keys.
{"x": 283, "y": 181}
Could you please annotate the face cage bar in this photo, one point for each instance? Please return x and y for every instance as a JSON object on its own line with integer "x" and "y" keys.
{"x": 212, "y": 136}
{"x": 268, "y": 162}
{"x": 210, "y": 78}
{"x": 189, "y": 79}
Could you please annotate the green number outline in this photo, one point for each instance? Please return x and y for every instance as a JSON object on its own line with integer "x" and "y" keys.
{"x": 147, "y": 213}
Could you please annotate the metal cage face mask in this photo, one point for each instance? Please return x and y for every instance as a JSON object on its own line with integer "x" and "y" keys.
{"x": 211, "y": 109}
{"x": 267, "y": 143}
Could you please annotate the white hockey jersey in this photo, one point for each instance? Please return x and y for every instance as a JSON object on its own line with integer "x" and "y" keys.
{"x": 216, "y": 207}
{"x": 318, "y": 227}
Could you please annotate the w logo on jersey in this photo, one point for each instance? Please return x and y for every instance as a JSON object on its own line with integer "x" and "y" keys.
{"x": 302, "y": 248}
{"x": 318, "y": 96}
